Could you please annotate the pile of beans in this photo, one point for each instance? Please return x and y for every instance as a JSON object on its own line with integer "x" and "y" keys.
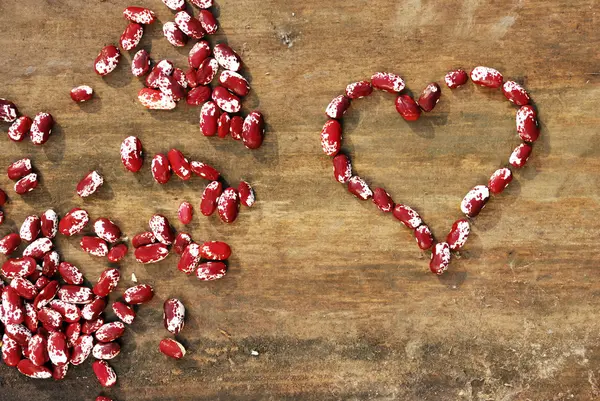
{"x": 166, "y": 84}
{"x": 526, "y": 126}
{"x": 207, "y": 260}
{"x": 49, "y": 318}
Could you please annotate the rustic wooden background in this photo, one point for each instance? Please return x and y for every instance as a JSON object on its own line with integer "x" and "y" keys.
{"x": 334, "y": 296}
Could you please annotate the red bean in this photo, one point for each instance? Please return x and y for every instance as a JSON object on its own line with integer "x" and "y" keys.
{"x": 171, "y": 348}
{"x": 8, "y": 111}
{"x": 174, "y": 35}
{"x": 234, "y": 82}
{"x": 515, "y": 93}
{"x": 440, "y": 258}
{"x": 359, "y": 188}
{"x": 19, "y": 128}
{"x": 140, "y": 64}
{"x": 520, "y": 155}
{"x": 208, "y": 21}
{"x": 89, "y": 184}
{"x": 81, "y": 93}
{"x": 357, "y": 90}
{"x": 140, "y": 15}
{"x": 456, "y": 78}
{"x": 527, "y": 124}
{"x": 338, "y": 107}
{"x": 408, "y": 216}
{"x": 155, "y": 100}
{"x": 253, "y": 130}
{"x": 227, "y": 58}
{"x": 41, "y": 128}
{"x": 408, "y": 108}
{"x": 161, "y": 169}
{"x": 458, "y": 235}
{"x": 475, "y": 200}
{"x": 131, "y": 36}
{"x": 388, "y": 82}
{"x": 423, "y": 237}
{"x": 430, "y": 97}
{"x": 500, "y": 180}
{"x": 198, "y": 53}
{"x": 382, "y": 200}
{"x": 227, "y": 101}
{"x": 185, "y": 212}
{"x": 209, "y": 119}
{"x": 189, "y": 25}
{"x": 487, "y": 77}
{"x": 228, "y": 205}
{"x": 342, "y": 168}
{"x": 107, "y": 60}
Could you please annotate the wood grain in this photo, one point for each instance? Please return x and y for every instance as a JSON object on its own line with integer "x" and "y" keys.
{"x": 334, "y": 296}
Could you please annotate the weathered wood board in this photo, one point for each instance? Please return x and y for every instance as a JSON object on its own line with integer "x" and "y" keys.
{"x": 334, "y": 296}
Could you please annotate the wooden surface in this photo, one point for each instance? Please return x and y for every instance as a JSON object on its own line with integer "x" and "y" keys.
{"x": 334, "y": 296}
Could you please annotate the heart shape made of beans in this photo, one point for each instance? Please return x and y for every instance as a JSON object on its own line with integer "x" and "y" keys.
{"x": 476, "y": 199}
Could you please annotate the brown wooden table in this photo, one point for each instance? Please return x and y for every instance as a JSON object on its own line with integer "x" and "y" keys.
{"x": 332, "y": 296}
